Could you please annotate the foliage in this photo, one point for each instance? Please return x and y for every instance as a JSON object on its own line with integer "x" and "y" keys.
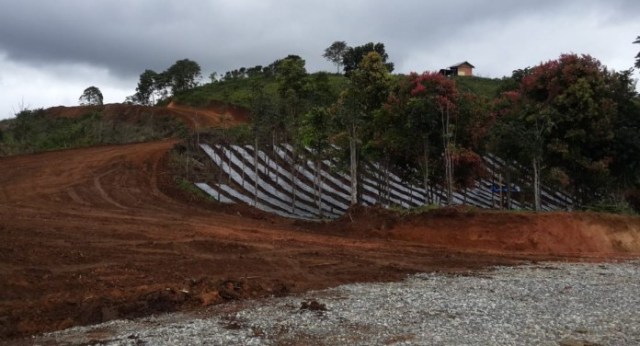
{"x": 354, "y": 111}
{"x": 638, "y": 55}
{"x": 34, "y": 131}
{"x": 335, "y": 53}
{"x": 147, "y": 85}
{"x": 188, "y": 186}
{"x": 183, "y": 75}
{"x": 91, "y": 96}
{"x": 611, "y": 206}
{"x": 479, "y": 86}
{"x": 570, "y": 121}
{"x": 180, "y": 77}
{"x": 353, "y": 56}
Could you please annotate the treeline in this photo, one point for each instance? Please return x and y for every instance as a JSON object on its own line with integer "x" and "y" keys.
{"x": 569, "y": 123}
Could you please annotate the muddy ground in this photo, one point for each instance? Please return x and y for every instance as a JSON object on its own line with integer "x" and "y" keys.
{"x": 95, "y": 234}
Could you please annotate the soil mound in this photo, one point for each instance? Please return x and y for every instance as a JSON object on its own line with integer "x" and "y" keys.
{"x": 580, "y": 234}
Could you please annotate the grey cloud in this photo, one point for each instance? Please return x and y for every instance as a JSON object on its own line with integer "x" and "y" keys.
{"x": 128, "y": 37}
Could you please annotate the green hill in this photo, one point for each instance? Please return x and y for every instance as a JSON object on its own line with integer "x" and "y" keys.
{"x": 238, "y": 91}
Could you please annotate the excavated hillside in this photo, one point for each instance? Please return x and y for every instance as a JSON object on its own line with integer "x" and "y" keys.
{"x": 94, "y": 234}
{"x": 216, "y": 114}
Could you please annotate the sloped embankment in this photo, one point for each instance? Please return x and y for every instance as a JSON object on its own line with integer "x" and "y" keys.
{"x": 562, "y": 234}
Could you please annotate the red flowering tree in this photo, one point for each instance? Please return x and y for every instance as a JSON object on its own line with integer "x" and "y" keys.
{"x": 431, "y": 115}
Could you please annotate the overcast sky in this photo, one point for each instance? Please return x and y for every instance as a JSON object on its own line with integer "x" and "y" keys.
{"x": 50, "y": 51}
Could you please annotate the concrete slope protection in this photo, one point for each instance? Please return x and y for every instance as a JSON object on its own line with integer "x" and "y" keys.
{"x": 287, "y": 183}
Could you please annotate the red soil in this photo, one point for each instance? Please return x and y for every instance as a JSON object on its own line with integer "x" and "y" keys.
{"x": 217, "y": 114}
{"x": 94, "y": 234}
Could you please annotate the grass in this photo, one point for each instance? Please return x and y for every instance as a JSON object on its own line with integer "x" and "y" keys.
{"x": 486, "y": 87}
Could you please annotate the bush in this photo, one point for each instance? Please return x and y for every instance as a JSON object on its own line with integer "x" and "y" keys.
{"x": 611, "y": 206}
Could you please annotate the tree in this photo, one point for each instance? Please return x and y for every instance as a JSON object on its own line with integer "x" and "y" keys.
{"x": 290, "y": 75}
{"x": 182, "y": 75}
{"x": 315, "y": 133}
{"x": 352, "y": 56}
{"x": 577, "y": 93}
{"x": 638, "y": 55}
{"x": 213, "y": 77}
{"x": 522, "y": 134}
{"x": 625, "y": 148}
{"x": 436, "y": 98}
{"x": 335, "y": 53}
{"x": 146, "y": 87}
{"x": 367, "y": 91}
{"x": 91, "y": 97}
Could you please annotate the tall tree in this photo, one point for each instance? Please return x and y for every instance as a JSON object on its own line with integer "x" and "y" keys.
{"x": 315, "y": 134}
{"x": 625, "y": 148}
{"x": 521, "y": 134}
{"x": 91, "y": 96}
{"x": 353, "y": 56}
{"x": 183, "y": 75}
{"x": 335, "y": 53}
{"x": 146, "y": 87}
{"x": 577, "y": 92}
{"x": 367, "y": 90}
{"x": 434, "y": 110}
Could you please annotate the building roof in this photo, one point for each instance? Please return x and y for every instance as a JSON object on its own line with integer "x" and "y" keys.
{"x": 462, "y": 63}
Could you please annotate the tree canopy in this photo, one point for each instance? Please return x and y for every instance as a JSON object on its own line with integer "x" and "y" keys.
{"x": 352, "y": 56}
{"x": 91, "y": 96}
{"x": 183, "y": 75}
{"x": 638, "y": 55}
{"x": 335, "y": 53}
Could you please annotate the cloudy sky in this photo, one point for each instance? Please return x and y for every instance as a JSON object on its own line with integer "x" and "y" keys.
{"x": 50, "y": 51}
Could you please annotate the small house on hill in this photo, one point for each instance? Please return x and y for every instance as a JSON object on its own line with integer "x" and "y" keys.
{"x": 462, "y": 69}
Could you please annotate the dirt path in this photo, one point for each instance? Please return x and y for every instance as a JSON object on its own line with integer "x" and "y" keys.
{"x": 94, "y": 234}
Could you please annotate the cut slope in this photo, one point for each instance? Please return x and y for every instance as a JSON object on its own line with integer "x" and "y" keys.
{"x": 217, "y": 114}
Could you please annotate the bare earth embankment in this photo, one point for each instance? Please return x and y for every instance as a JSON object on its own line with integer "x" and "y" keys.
{"x": 96, "y": 234}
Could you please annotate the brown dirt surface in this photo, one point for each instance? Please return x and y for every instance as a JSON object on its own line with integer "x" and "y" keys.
{"x": 216, "y": 114}
{"x": 89, "y": 235}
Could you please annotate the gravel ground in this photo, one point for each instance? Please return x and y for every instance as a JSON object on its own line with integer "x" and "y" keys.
{"x": 542, "y": 304}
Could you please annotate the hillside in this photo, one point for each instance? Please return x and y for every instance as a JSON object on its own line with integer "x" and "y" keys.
{"x": 238, "y": 91}
{"x": 94, "y": 234}
{"x": 84, "y": 126}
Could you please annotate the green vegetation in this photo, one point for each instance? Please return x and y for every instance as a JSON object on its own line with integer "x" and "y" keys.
{"x": 569, "y": 123}
{"x": 485, "y": 87}
{"x": 34, "y": 131}
{"x": 238, "y": 91}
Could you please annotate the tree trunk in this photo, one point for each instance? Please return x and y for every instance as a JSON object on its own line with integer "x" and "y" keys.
{"x": 294, "y": 177}
{"x": 273, "y": 155}
{"x": 448, "y": 162}
{"x": 353, "y": 165}
{"x": 449, "y": 174}
{"x": 536, "y": 184}
{"x": 255, "y": 170}
{"x": 387, "y": 183}
{"x": 427, "y": 199}
{"x": 317, "y": 185}
{"x": 508, "y": 188}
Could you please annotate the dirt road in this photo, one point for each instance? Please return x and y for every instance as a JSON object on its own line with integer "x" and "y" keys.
{"x": 94, "y": 234}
